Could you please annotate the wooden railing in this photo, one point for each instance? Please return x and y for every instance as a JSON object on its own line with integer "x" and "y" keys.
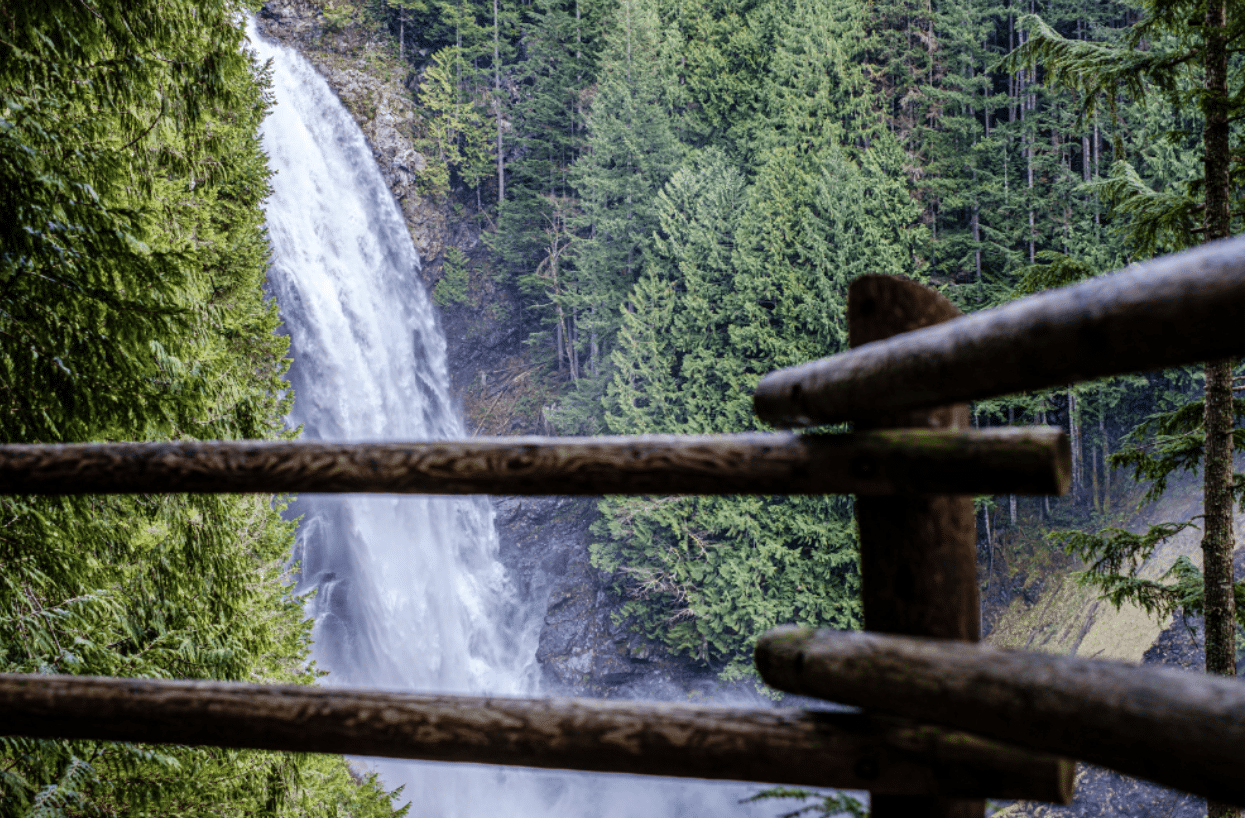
{"x": 912, "y": 461}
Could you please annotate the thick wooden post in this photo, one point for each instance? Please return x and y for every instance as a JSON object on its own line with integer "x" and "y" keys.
{"x": 918, "y": 571}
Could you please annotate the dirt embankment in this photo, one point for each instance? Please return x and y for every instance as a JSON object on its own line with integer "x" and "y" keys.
{"x": 1039, "y": 605}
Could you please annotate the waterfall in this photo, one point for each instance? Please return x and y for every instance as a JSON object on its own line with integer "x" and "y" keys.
{"x": 406, "y": 592}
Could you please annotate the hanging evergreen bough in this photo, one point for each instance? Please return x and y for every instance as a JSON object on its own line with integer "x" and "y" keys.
{"x": 132, "y": 262}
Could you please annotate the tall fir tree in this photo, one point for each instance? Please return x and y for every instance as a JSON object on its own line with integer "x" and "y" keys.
{"x": 633, "y": 148}
{"x": 707, "y": 575}
{"x": 1207, "y": 35}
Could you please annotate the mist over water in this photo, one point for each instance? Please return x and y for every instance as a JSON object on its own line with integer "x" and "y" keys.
{"x": 408, "y": 591}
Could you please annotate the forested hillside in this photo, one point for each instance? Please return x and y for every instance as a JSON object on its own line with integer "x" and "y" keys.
{"x": 680, "y": 192}
{"x": 132, "y": 262}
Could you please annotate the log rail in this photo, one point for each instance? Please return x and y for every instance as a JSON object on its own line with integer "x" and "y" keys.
{"x": 1180, "y": 309}
{"x": 779, "y": 746}
{"x": 1017, "y": 708}
{"x": 916, "y": 461}
{"x": 1174, "y": 727}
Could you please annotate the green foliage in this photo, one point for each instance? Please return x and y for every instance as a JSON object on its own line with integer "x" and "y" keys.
{"x": 337, "y": 15}
{"x": 736, "y": 285}
{"x": 633, "y": 149}
{"x": 132, "y": 262}
{"x": 1115, "y": 556}
{"x": 1053, "y": 270}
{"x": 708, "y": 576}
{"x": 1158, "y": 58}
{"x": 691, "y": 187}
{"x": 1160, "y": 220}
{"x": 826, "y": 805}
{"x": 457, "y": 124}
{"x": 1158, "y": 198}
{"x": 454, "y": 287}
{"x": 1163, "y": 444}
{"x": 534, "y": 223}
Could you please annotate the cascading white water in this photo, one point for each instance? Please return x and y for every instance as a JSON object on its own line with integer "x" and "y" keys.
{"x": 409, "y": 593}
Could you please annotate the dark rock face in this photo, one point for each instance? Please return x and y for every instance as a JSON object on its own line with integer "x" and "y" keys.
{"x": 582, "y": 651}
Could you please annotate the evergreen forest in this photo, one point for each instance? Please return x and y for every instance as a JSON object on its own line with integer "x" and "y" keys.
{"x": 678, "y": 194}
{"x": 681, "y": 192}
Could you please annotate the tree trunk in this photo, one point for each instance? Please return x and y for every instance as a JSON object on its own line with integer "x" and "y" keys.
{"x": 1012, "y": 498}
{"x": 1029, "y": 173}
{"x": 1218, "y": 420}
{"x": 1040, "y": 419}
{"x": 1075, "y": 443}
{"x": 1218, "y": 537}
{"x": 1013, "y": 80}
{"x": 977, "y": 244}
{"x": 1107, "y": 465}
{"x": 497, "y": 104}
{"x": 986, "y": 522}
{"x": 1094, "y": 477}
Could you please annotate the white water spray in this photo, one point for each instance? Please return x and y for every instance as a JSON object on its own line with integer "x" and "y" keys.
{"x": 409, "y": 592}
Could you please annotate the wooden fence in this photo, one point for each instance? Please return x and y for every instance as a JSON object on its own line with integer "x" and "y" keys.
{"x": 945, "y": 723}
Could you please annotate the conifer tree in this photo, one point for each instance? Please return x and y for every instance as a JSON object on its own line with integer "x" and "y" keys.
{"x": 707, "y": 575}
{"x": 743, "y": 278}
{"x": 452, "y": 92}
{"x": 1175, "y": 33}
{"x": 734, "y": 42}
{"x": 535, "y": 223}
{"x": 633, "y": 148}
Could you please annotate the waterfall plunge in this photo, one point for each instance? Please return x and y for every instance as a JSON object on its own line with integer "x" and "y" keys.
{"x": 409, "y": 594}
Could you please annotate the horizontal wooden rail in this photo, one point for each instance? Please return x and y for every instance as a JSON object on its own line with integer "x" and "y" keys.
{"x": 1180, "y": 309}
{"x": 1010, "y": 461}
{"x": 1176, "y": 728}
{"x": 781, "y": 746}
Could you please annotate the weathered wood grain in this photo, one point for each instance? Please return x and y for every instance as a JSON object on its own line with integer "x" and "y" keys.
{"x": 1176, "y": 728}
{"x": 1020, "y": 461}
{"x": 918, "y": 571}
{"x": 1183, "y": 308}
{"x": 782, "y": 746}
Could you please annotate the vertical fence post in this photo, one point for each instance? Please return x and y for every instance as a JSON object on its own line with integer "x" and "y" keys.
{"x": 918, "y": 567}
